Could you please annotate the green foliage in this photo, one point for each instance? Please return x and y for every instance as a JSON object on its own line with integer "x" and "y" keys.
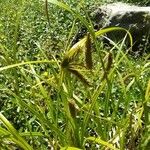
{"x": 55, "y": 95}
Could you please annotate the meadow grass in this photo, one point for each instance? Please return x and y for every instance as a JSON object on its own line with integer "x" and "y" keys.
{"x": 55, "y": 95}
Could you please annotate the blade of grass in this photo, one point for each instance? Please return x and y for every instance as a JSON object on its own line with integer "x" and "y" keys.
{"x": 110, "y": 29}
{"x": 21, "y": 142}
{"x": 25, "y": 63}
{"x": 101, "y": 142}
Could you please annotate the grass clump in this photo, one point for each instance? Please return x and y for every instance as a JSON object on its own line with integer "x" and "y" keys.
{"x": 54, "y": 95}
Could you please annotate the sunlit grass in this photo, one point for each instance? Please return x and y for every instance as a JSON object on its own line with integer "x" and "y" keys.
{"x": 68, "y": 97}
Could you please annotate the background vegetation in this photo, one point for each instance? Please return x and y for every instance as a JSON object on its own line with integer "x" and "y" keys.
{"x": 53, "y": 99}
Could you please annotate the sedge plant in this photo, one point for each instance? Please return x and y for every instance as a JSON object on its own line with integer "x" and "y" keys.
{"x": 87, "y": 99}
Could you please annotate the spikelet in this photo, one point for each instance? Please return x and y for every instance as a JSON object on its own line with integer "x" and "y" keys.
{"x": 78, "y": 75}
{"x": 72, "y": 53}
{"x": 88, "y": 52}
{"x": 108, "y": 65}
{"x": 109, "y": 62}
{"x": 65, "y": 62}
{"x": 73, "y": 108}
{"x": 127, "y": 78}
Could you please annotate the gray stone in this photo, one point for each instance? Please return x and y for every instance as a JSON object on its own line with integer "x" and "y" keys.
{"x": 136, "y": 19}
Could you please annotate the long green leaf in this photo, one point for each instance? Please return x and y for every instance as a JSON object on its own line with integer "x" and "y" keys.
{"x": 101, "y": 142}
{"x": 69, "y": 148}
{"x": 20, "y": 141}
{"x": 25, "y": 63}
{"x": 110, "y": 29}
{"x": 75, "y": 13}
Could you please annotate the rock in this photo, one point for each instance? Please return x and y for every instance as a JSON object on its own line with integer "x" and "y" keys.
{"x": 136, "y": 19}
{"x": 133, "y": 18}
